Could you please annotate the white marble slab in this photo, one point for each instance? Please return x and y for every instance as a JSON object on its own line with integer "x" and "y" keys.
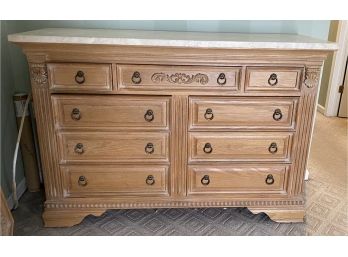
{"x": 172, "y": 39}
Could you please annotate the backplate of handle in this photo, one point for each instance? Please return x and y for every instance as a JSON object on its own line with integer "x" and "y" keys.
{"x": 273, "y": 148}
{"x": 221, "y": 80}
{"x": 136, "y": 78}
{"x": 80, "y": 77}
{"x": 82, "y": 181}
{"x": 76, "y": 114}
{"x": 209, "y": 115}
{"x": 273, "y": 79}
{"x": 79, "y": 148}
{"x": 207, "y": 148}
{"x": 149, "y": 115}
{"x": 149, "y": 148}
{"x": 277, "y": 115}
{"x": 269, "y": 179}
{"x": 150, "y": 180}
{"x": 205, "y": 180}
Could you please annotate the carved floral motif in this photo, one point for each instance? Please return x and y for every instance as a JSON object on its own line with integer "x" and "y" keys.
{"x": 180, "y": 78}
{"x": 312, "y": 76}
{"x": 38, "y": 74}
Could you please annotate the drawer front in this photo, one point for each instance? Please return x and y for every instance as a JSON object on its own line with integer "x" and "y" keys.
{"x": 113, "y": 147}
{"x": 240, "y": 146}
{"x": 237, "y": 179}
{"x": 246, "y": 113}
{"x": 177, "y": 77}
{"x": 80, "y": 77}
{"x": 122, "y": 180}
{"x": 111, "y": 111}
{"x": 273, "y": 79}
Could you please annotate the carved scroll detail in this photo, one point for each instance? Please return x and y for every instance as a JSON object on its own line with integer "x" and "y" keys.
{"x": 180, "y": 78}
{"x": 38, "y": 74}
{"x": 312, "y": 76}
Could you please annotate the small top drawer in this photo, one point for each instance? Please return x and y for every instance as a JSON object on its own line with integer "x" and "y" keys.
{"x": 177, "y": 77}
{"x": 80, "y": 77}
{"x": 273, "y": 78}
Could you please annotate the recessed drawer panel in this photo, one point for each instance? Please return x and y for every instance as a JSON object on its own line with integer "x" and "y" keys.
{"x": 111, "y": 111}
{"x": 245, "y": 113}
{"x": 237, "y": 179}
{"x": 121, "y": 180}
{"x": 177, "y": 77}
{"x": 273, "y": 78}
{"x": 113, "y": 147}
{"x": 240, "y": 146}
{"x": 80, "y": 77}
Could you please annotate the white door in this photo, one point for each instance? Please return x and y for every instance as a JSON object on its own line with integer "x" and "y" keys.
{"x": 343, "y": 107}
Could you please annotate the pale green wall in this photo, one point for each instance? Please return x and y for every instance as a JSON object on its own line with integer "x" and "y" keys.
{"x": 15, "y": 74}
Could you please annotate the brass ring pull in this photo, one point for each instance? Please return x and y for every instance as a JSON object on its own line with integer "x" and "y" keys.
{"x": 205, "y": 180}
{"x": 149, "y": 148}
{"x": 209, "y": 115}
{"x": 79, "y": 148}
{"x": 269, "y": 179}
{"x": 82, "y": 181}
{"x": 221, "y": 80}
{"x": 150, "y": 180}
{"x": 273, "y": 80}
{"x": 76, "y": 114}
{"x": 136, "y": 79}
{"x": 80, "y": 77}
{"x": 207, "y": 148}
{"x": 277, "y": 115}
{"x": 149, "y": 115}
{"x": 273, "y": 148}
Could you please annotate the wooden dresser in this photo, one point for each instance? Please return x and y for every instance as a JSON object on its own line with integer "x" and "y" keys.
{"x": 145, "y": 119}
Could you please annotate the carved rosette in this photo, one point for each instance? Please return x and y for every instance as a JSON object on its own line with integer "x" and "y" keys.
{"x": 180, "y": 78}
{"x": 312, "y": 76}
{"x": 38, "y": 74}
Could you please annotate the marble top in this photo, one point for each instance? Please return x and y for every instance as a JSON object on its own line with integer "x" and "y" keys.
{"x": 172, "y": 39}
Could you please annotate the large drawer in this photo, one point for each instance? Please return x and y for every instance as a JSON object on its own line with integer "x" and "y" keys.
{"x": 81, "y": 77}
{"x": 111, "y": 111}
{"x": 233, "y": 179}
{"x": 240, "y": 146}
{"x": 120, "y": 180}
{"x": 177, "y": 77}
{"x": 102, "y": 147}
{"x": 243, "y": 113}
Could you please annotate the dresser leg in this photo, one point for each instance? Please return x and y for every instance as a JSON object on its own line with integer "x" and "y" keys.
{"x": 282, "y": 215}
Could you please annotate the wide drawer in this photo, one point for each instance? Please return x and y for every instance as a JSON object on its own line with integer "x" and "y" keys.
{"x": 121, "y": 180}
{"x": 111, "y": 111}
{"x": 113, "y": 147}
{"x": 258, "y": 179}
{"x": 242, "y": 113}
{"x": 273, "y": 78}
{"x": 80, "y": 77}
{"x": 177, "y": 77}
{"x": 240, "y": 146}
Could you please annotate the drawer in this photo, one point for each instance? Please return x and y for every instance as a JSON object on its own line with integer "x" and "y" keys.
{"x": 113, "y": 147}
{"x": 110, "y": 111}
{"x": 240, "y": 146}
{"x": 243, "y": 113}
{"x": 80, "y": 77}
{"x": 273, "y": 78}
{"x": 121, "y": 180}
{"x": 177, "y": 77}
{"x": 233, "y": 179}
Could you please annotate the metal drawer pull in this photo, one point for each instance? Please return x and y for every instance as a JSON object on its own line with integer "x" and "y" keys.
{"x": 82, "y": 181}
{"x": 277, "y": 115}
{"x": 273, "y": 148}
{"x": 136, "y": 79}
{"x": 80, "y": 77}
{"x": 273, "y": 80}
{"x": 76, "y": 114}
{"x": 149, "y": 148}
{"x": 205, "y": 180}
{"x": 207, "y": 148}
{"x": 149, "y": 115}
{"x": 150, "y": 180}
{"x": 269, "y": 179}
{"x": 221, "y": 80}
{"x": 209, "y": 115}
{"x": 79, "y": 148}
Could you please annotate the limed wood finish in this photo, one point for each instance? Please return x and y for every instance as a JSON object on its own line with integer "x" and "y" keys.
{"x": 178, "y": 85}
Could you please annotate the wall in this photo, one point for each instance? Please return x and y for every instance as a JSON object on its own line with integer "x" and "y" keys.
{"x": 16, "y": 79}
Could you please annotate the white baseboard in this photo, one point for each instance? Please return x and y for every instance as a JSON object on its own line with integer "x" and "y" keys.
{"x": 21, "y": 188}
{"x": 321, "y": 109}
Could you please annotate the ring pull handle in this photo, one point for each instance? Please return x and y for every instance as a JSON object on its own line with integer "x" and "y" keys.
{"x": 273, "y": 148}
{"x": 221, "y": 80}
{"x": 209, "y": 115}
{"x": 79, "y": 148}
{"x": 273, "y": 80}
{"x": 277, "y": 115}
{"x": 82, "y": 181}
{"x": 80, "y": 77}
{"x": 269, "y": 179}
{"x": 149, "y": 148}
{"x": 136, "y": 79}
{"x": 150, "y": 180}
{"x": 149, "y": 115}
{"x": 76, "y": 114}
{"x": 205, "y": 180}
{"x": 207, "y": 148}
